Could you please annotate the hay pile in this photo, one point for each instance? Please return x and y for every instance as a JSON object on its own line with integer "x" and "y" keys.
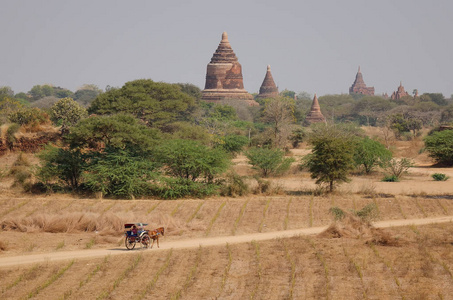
{"x": 351, "y": 226}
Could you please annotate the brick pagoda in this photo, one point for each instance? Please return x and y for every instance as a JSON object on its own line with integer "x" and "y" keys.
{"x": 224, "y": 76}
{"x": 268, "y": 89}
{"x": 315, "y": 115}
{"x": 399, "y": 93}
{"x": 359, "y": 86}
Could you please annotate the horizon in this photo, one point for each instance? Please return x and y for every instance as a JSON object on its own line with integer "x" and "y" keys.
{"x": 311, "y": 47}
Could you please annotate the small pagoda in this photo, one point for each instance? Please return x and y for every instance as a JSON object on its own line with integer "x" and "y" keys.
{"x": 400, "y": 93}
{"x": 359, "y": 86}
{"x": 224, "y": 76}
{"x": 268, "y": 89}
{"x": 315, "y": 115}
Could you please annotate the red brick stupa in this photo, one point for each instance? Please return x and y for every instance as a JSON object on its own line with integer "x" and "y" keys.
{"x": 268, "y": 89}
{"x": 224, "y": 76}
{"x": 359, "y": 86}
{"x": 315, "y": 115}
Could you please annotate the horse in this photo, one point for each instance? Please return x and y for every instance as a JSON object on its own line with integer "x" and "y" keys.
{"x": 154, "y": 235}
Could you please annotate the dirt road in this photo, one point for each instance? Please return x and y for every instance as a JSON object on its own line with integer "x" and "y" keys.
{"x": 9, "y": 261}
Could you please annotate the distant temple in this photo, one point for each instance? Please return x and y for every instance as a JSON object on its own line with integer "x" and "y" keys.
{"x": 315, "y": 115}
{"x": 359, "y": 86}
{"x": 399, "y": 93}
{"x": 224, "y": 76}
{"x": 268, "y": 89}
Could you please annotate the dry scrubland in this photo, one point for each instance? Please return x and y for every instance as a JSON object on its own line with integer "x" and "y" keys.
{"x": 416, "y": 264}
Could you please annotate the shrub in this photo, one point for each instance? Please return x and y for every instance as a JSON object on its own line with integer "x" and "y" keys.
{"x": 67, "y": 112}
{"x": 191, "y": 160}
{"x": 233, "y": 143}
{"x": 439, "y": 177}
{"x": 269, "y": 161}
{"x": 120, "y": 172}
{"x": 398, "y": 167}
{"x": 440, "y": 146}
{"x": 173, "y": 188}
{"x": 234, "y": 185}
{"x": 369, "y": 154}
{"x": 390, "y": 178}
{"x": 29, "y": 116}
{"x": 10, "y": 134}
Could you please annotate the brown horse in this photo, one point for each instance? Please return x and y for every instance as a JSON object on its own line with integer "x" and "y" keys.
{"x": 154, "y": 235}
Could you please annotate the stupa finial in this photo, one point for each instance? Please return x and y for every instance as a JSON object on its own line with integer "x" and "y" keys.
{"x": 224, "y": 37}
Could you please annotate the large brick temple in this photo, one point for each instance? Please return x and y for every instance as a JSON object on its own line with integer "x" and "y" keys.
{"x": 224, "y": 76}
{"x": 268, "y": 88}
{"x": 359, "y": 86}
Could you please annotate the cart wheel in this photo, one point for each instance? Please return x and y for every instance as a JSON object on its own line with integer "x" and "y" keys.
{"x": 146, "y": 241}
{"x": 130, "y": 243}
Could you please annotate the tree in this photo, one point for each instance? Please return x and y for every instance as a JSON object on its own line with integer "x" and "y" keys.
{"x": 191, "y": 160}
{"x": 156, "y": 103}
{"x": 66, "y": 112}
{"x": 118, "y": 131}
{"x": 268, "y": 161}
{"x": 120, "y": 172}
{"x": 279, "y": 113}
{"x": 86, "y": 94}
{"x": 370, "y": 154}
{"x": 371, "y": 108}
{"x": 332, "y": 156}
{"x": 233, "y": 143}
{"x": 440, "y": 146}
{"x": 447, "y": 114}
{"x": 62, "y": 164}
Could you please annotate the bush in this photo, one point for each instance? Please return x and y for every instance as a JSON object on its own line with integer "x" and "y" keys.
{"x": 191, "y": 160}
{"x": 390, "y": 178}
{"x": 233, "y": 143}
{"x": 268, "y": 161}
{"x": 439, "y": 177}
{"x": 120, "y": 172}
{"x": 440, "y": 146}
{"x": 67, "y": 112}
{"x": 399, "y": 167}
{"x": 29, "y": 116}
{"x": 234, "y": 185}
{"x": 10, "y": 134}
{"x": 173, "y": 188}
{"x": 369, "y": 154}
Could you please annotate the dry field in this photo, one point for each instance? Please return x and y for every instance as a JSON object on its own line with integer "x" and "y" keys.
{"x": 418, "y": 264}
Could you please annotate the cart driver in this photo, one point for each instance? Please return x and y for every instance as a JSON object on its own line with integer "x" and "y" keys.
{"x": 134, "y": 230}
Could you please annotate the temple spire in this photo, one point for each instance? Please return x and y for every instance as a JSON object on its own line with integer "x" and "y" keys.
{"x": 268, "y": 88}
{"x": 315, "y": 115}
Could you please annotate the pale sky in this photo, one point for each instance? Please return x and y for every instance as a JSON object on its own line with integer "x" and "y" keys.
{"x": 312, "y": 46}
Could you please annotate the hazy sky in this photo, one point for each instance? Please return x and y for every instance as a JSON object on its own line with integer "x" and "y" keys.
{"x": 312, "y": 46}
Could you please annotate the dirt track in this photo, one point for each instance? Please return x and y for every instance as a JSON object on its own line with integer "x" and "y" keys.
{"x": 8, "y": 261}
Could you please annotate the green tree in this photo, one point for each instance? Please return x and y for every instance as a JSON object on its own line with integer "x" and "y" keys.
{"x": 369, "y": 154}
{"x": 233, "y": 143}
{"x": 120, "y": 172}
{"x": 447, "y": 114}
{"x": 268, "y": 161}
{"x": 65, "y": 165}
{"x": 66, "y": 112}
{"x": 332, "y": 156}
{"x": 440, "y": 146}
{"x": 156, "y": 103}
{"x": 116, "y": 131}
{"x": 192, "y": 160}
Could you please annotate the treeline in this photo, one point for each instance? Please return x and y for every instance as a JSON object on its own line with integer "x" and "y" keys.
{"x": 158, "y": 139}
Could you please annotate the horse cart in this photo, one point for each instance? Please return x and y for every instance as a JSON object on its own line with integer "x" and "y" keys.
{"x": 136, "y": 233}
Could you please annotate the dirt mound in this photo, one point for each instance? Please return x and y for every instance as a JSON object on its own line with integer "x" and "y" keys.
{"x": 354, "y": 227}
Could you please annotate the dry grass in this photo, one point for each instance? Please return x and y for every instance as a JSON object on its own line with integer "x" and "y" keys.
{"x": 354, "y": 227}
